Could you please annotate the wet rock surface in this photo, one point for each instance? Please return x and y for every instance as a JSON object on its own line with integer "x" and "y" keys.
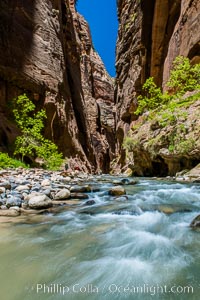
{"x": 117, "y": 191}
{"x": 195, "y": 223}
{"x": 99, "y": 194}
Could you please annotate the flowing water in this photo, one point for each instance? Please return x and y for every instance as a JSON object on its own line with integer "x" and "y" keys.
{"x": 111, "y": 250}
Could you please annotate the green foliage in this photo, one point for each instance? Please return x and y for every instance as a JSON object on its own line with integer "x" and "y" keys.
{"x": 8, "y": 162}
{"x": 184, "y": 77}
{"x": 185, "y": 146}
{"x": 153, "y": 97}
{"x": 32, "y": 143}
{"x": 178, "y": 141}
{"x": 129, "y": 144}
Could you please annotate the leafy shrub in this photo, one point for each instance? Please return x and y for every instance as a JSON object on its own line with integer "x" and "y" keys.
{"x": 8, "y": 162}
{"x": 32, "y": 143}
{"x": 129, "y": 143}
{"x": 153, "y": 97}
{"x": 184, "y": 77}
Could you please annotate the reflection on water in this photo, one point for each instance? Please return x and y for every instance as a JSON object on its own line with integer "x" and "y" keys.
{"x": 112, "y": 250}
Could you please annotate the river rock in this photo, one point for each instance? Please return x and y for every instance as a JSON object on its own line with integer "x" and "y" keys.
{"x": 47, "y": 192}
{"x": 4, "y": 207}
{"x": 197, "y": 180}
{"x": 46, "y": 182}
{"x": 21, "y": 188}
{"x": 117, "y": 191}
{"x": 25, "y": 205}
{"x": 40, "y": 201}
{"x": 62, "y": 194}
{"x": 13, "y": 201}
{"x": 66, "y": 202}
{"x": 33, "y": 194}
{"x": 2, "y": 190}
{"x": 15, "y": 208}
{"x": 36, "y": 187}
{"x": 124, "y": 181}
{"x": 9, "y": 213}
{"x": 122, "y": 198}
{"x": 79, "y": 196}
{"x": 90, "y": 202}
{"x": 196, "y": 222}
{"x": 6, "y": 184}
{"x": 2, "y": 201}
{"x": 80, "y": 189}
{"x": 66, "y": 179}
{"x": 166, "y": 209}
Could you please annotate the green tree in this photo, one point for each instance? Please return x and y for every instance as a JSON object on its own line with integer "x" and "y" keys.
{"x": 31, "y": 142}
{"x": 152, "y": 98}
{"x": 183, "y": 77}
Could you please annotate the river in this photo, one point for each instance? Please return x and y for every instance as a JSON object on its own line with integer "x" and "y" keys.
{"x": 140, "y": 248}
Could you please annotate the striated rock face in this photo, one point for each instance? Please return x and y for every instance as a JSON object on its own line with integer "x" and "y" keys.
{"x": 151, "y": 34}
{"x": 98, "y": 95}
{"x": 46, "y": 51}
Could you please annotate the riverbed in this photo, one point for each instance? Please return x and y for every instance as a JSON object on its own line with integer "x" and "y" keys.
{"x": 138, "y": 247}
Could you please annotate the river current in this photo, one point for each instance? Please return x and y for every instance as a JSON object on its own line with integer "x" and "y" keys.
{"x": 140, "y": 248}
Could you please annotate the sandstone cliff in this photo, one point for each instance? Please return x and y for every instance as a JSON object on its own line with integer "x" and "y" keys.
{"x": 46, "y": 51}
{"x": 151, "y": 34}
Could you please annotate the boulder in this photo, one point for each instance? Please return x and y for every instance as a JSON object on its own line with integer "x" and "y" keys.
{"x": 62, "y": 194}
{"x": 13, "y": 201}
{"x": 117, "y": 191}
{"x": 40, "y": 201}
{"x": 80, "y": 189}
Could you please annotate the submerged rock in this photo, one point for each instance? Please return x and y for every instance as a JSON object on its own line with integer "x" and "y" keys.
{"x": 90, "y": 202}
{"x": 79, "y": 196}
{"x": 122, "y": 198}
{"x": 196, "y": 222}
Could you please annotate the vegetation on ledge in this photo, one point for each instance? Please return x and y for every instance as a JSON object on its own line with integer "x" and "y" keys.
{"x": 31, "y": 143}
{"x": 168, "y": 125}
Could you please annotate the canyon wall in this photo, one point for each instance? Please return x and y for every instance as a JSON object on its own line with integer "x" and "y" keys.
{"x": 151, "y": 34}
{"x": 47, "y": 52}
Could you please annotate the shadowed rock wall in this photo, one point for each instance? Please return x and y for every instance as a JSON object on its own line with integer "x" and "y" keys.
{"x": 46, "y": 51}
